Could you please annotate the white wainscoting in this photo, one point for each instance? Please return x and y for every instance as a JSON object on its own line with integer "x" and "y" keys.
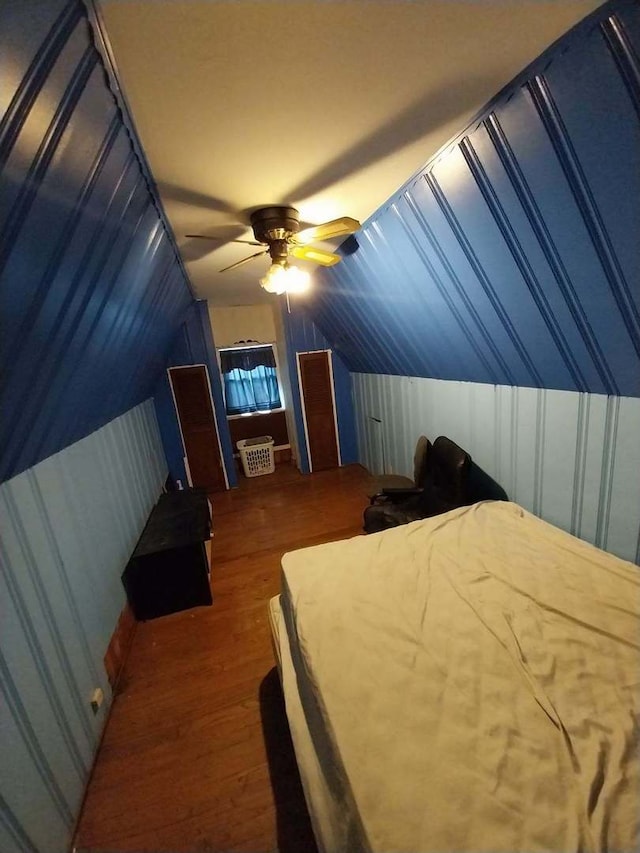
{"x": 570, "y": 458}
{"x": 69, "y": 525}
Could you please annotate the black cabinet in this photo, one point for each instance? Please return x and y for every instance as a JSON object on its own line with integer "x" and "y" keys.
{"x": 169, "y": 570}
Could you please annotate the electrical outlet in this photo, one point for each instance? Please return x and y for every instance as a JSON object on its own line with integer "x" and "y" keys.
{"x": 97, "y": 698}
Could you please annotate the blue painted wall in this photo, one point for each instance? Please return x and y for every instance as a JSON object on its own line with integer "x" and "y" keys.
{"x": 512, "y": 257}
{"x": 302, "y": 335}
{"x": 92, "y": 293}
{"x": 193, "y": 345}
{"x": 92, "y": 290}
{"x": 511, "y": 261}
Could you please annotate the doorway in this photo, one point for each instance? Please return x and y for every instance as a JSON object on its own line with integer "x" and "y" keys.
{"x": 192, "y": 398}
{"x": 315, "y": 373}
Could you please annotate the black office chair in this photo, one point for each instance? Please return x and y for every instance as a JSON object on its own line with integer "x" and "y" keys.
{"x": 445, "y": 486}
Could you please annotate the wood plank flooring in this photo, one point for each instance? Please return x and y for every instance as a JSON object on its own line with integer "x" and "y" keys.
{"x": 196, "y": 755}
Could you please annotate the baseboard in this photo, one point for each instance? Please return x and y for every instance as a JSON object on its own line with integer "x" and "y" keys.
{"x": 282, "y": 454}
{"x": 119, "y": 646}
{"x": 114, "y": 661}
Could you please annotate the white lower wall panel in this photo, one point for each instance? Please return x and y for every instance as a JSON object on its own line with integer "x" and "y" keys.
{"x": 570, "y": 458}
{"x": 69, "y": 526}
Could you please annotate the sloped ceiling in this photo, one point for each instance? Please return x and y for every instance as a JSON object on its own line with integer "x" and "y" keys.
{"x": 92, "y": 291}
{"x": 512, "y": 259}
{"x": 329, "y": 106}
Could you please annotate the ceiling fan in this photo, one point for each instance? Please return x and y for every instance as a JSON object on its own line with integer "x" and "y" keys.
{"x": 277, "y": 229}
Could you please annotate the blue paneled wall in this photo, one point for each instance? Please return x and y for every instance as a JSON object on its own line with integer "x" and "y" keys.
{"x": 569, "y": 457}
{"x": 302, "y": 335}
{"x": 92, "y": 292}
{"x": 91, "y": 287}
{"x": 512, "y": 257}
{"x": 511, "y": 261}
{"x": 69, "y": 525}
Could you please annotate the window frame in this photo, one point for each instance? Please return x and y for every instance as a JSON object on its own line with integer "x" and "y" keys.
{"x": 261, "y": 412}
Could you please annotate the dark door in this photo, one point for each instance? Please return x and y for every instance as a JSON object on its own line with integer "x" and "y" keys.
{"x": 195, "y": 412}
{"x": 317, "y": 400}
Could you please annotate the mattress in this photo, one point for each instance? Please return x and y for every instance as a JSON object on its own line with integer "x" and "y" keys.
{"x": 275, "y": 615}
{"x": 467, "y": 682}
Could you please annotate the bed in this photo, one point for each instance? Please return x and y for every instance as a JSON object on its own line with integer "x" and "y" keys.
{"x": 469, "y": 682}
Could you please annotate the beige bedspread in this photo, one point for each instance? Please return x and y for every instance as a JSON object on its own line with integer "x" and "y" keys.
{"x": 470, "y": 683}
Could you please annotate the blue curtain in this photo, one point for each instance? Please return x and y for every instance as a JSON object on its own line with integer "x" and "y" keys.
{"x": 250, "y": 380}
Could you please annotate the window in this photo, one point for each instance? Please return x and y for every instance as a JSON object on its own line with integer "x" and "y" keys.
{"x": 250, "y": 376}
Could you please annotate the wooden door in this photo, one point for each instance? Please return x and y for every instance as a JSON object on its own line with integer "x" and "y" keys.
{"x": 318, "y": 409}
{"x": 195, "y": 413}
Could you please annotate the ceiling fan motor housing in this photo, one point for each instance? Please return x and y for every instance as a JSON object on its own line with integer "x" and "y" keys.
{"x": 274, "y": 226}
{"x": 275, "y": 223}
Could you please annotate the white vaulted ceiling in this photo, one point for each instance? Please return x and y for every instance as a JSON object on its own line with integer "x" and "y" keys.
{"x": 328, "y": 106}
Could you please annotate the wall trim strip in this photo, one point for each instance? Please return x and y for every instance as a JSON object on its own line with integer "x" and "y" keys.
{"x": 12, "y": 121}
{"x": 566, "y": 456}
{"x": 103, "y": 46}
{"x": 66, "y": 236}
{"x": 40, "y": 659}
{"x": 19, "y": 714}
{"x": 14, "y": 829}
{"x": 545, "y": 240}
{"x": 45, "y": 153}
{"x": 624, "y": 55}
{"x": 550, "y": 116}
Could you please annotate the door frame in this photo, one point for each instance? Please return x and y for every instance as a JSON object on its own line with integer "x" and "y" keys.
{"x": 215, "y": 422}
{"x": 333, "y": 400}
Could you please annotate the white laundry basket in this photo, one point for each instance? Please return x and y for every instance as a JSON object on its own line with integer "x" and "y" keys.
{"x": 257, "y": 455}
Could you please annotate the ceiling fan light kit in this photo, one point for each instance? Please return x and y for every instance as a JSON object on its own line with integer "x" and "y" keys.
{"x": 283, "y": 278}
{"x": 277, "y": 228}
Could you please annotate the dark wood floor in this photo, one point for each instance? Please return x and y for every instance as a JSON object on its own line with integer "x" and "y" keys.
{"x": 197, "y": 755}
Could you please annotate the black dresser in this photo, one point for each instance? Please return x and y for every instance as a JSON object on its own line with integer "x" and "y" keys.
{"x": 169, "y": 569}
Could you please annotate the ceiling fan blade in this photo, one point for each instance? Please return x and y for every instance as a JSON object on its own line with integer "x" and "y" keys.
{"x": 244, "y": 261}
{"x": 334, "y": 228}
{"x": 318, "y": 256}
{"x": 222, "y": 239}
